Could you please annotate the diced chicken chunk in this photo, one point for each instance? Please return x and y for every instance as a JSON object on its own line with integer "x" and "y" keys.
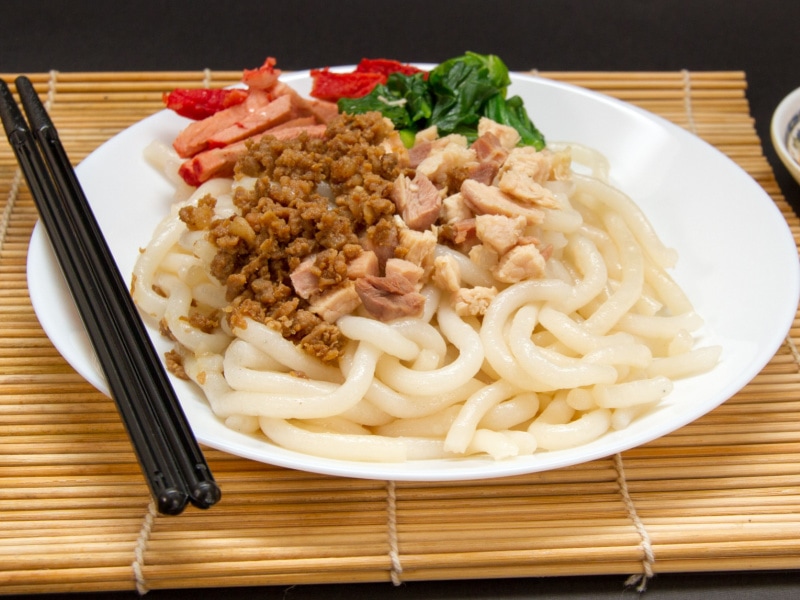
{"x": 524, "y": 189}
{"x": 428, "y": 134}
{"x": 484, "y": 172}
{"x": 389, "y": 298}
{"x": 540, "y": 166}
{"x": 454, "y": 209}
{"x": 336, "y": 302}
{"x": 520, "y": 263}
{"x": 470, "y": 302}
{"x": 417, "y": 200}
{"x": 491, "y": 155}
{"x": 382, "y": 241}
{"x": 417, "y": 247}
{"x": 364, "y": 264}
{"x": 393, "y": 144}
{"x": 499, "y": 232}
{"x": 404, "y": 268}
{"x": 506, "y": 135}
{"x": 484, "y": 257}
{"x": 529, "y": 161}
{"x": 305, "y": 278}
{"x": 446, "y": 158}
{"x": 485, "y": 199}
{"x": 465, "y": 232}
{"x": 446, "y": 273}
{"x": 418, "y": 153}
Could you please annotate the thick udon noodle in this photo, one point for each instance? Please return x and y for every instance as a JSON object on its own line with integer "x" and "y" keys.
{"x": 554, "y": 362}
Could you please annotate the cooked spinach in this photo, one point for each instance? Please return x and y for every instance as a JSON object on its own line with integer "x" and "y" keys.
{"x": 453, "y": 97}
{"x": 512, "y": 112}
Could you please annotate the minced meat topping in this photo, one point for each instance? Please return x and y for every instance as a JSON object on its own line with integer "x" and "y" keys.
{"x": 326, "y": 198}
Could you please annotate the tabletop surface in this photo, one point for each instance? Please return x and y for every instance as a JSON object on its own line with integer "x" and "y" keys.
{"x": 620, "y": 35}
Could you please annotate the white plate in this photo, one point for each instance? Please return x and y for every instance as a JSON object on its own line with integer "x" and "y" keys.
{"x": 738, "y": 264}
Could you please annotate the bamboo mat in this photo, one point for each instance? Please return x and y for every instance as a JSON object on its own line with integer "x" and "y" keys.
{"x": 720, "y": 494}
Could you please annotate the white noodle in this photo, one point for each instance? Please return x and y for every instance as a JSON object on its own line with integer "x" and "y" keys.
{"x": 551, "y": 364}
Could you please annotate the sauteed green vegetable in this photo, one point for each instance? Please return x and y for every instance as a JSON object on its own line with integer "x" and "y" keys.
{"x": 453, "y": 97}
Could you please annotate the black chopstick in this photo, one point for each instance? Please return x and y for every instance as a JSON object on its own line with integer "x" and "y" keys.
{"x": 202, "y": 489}
{"x": 168, "y": 453}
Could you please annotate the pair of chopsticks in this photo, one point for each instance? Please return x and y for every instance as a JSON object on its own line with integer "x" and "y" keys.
{"x": 168, "y": 453}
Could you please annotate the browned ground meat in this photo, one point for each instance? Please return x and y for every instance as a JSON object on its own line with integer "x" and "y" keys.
{"x": 328, "y": 197}
{"x": 199, "y": 217}
{"x": 175, "y": 364}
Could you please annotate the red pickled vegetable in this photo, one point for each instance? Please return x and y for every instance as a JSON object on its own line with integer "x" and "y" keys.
{"x": 358, "y": 83}
{"x": 385, "y": 66}
{"x": 331, "y": 86}
{"x": 200, "y": 103}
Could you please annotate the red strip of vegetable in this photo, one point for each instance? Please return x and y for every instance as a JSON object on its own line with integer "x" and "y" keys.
{"x": 200, "y": 103}
{"x": 331, "y": 86}
{"x": 385, "y": 66}
{"x": 369, "y": 72}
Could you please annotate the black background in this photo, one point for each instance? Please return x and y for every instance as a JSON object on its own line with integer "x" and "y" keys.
{"x": 759, "y": 37}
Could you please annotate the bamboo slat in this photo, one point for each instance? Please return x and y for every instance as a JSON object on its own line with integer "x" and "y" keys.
{"x": 722, "y": 493}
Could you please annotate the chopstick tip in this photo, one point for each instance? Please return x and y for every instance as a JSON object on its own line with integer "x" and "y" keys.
{"x": 206, "y": 494}
{"x": 172, "y": 501}
{"x": 9, "y": 111}
{"x": 36, "y": 111}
